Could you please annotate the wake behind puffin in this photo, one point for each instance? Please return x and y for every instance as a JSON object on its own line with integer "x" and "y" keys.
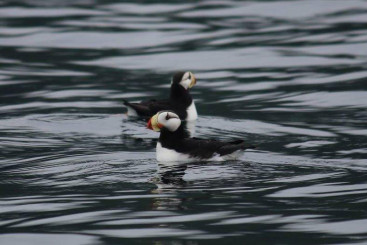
{"x": 174, "y": 144}
{"x": 179, "y": 101}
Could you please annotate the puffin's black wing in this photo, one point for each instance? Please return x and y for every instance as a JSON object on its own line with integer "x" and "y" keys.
{"x": 148, "y": 108}
{"x": 204, "y": 148}
{"x": 233, "y": 146}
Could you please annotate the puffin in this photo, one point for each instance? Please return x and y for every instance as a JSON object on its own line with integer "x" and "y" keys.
{"x": 176, "y": 145}
{"x": 179, "y": 101}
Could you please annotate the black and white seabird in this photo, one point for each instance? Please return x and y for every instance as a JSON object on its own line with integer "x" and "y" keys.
{"x": 179, "y": 101}
{"x": 174, "y": 144}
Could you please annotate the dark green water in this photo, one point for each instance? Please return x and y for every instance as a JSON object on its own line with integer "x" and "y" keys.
{"x": 289, "y": 76}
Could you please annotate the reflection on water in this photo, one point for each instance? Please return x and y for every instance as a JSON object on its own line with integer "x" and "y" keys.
{"x": 171, "y": 174}
{"x": 288, "y": 76}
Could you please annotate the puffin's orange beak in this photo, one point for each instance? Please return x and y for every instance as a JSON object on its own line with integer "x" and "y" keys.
{"x": 193, "y": 80}
{"x": 149, "y": 125}
{"x": 153, "y": 123}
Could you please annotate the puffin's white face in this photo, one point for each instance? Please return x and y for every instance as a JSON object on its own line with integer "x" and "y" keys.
{"x": 164, "y": 119}
{"x": 188, "y": 80}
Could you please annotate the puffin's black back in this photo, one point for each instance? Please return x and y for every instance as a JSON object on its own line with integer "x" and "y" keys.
{"x": 180, "y": 141}
{"x": 178, "y": 101}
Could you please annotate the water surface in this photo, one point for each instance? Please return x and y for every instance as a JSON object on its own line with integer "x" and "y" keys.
{"x": 289, "y": 76}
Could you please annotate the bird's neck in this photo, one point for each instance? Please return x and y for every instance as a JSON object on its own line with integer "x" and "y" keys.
{"x": 170, "y": 139}
{"x": 180, "y": 94}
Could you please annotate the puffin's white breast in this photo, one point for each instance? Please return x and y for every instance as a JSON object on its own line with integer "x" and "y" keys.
{"x": 168, "y": 155}
{"x": 191, "y": 112}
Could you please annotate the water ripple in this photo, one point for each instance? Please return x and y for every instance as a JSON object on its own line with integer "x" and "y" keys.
{"x": 288, "y": 76}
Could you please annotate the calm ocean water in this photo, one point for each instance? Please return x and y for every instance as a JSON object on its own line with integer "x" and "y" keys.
{"x": 289, "y": 76}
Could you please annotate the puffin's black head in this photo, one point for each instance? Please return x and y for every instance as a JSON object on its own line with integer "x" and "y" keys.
{"x": 185, "y": 79}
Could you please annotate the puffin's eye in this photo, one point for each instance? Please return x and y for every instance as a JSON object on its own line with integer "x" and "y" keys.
{"x": 167, "y": 116}
{"x": 189, "y": 76}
